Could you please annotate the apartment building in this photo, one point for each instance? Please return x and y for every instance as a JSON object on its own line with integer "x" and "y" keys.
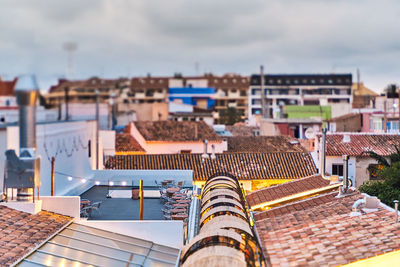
{"x": 147, "y": 90}
{"x": 84, "y": 91}
{"x": 298, "y": 89}
{"x": 231, "y": 91}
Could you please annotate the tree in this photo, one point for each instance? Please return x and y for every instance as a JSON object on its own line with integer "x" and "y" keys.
{"x": 230, "y": 116}
{"x": 387, "y": 190}
{"x": 382, "y": 161}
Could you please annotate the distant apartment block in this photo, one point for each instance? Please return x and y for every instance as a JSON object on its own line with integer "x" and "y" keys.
{"x": 298, "y": 89}
{"x": 193, "y": 91}
{"x": 231, "y": 91}
{"x": 84, "y": 91}
{"x": 147, "y": 90}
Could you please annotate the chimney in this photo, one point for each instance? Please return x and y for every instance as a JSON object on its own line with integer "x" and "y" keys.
{"x": 205, "y": 154}
{"x": 346, "y": 138}
{"x": 213, "y": 152}
{"x": 27, "y": 92}
{"x": 322, "y": 161}
{"x": 346, "y": 173}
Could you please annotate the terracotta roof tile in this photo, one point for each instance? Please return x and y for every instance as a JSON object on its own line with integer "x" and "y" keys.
{"x": 124, "y": 142}
{"x": 7, "y": 87}
{"x": 20, "y": 232}
{"x": 298, "y": 205}
{"x": 240, "y": 129}
{"x": 286, "y": 189}
{"x": 176, "y": 131}
{"x": 245, "y": 166}
{"x": 264, "y": 144}
{"x": 382, "y": 144}
{"x": 325, "y": 235}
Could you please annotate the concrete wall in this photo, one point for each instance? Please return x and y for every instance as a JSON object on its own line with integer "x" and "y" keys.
{"x": 176, "y": 147}
{"x": 68, "y": 143}
{"x": 65, "y": 205}
{"x": 108, "y": 142}
{"x": 148, "y": 176}
{"x": 147, "y": 111}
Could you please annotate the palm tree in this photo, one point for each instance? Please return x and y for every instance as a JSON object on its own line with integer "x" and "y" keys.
{"x": 382, "y": 161}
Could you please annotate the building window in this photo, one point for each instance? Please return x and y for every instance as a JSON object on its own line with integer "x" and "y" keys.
{"x": 243, "y": 93}
{"x": 337, "y": 169}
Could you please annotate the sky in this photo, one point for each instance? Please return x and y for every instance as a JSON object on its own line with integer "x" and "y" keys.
{"x": 125, "y": 38}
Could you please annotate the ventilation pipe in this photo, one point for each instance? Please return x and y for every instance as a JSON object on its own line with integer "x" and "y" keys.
{"x": 396, "y": 210}
{"x": 205, "y": 154}
{"x": 27, "y": 92}
{"x": 346, "y": 173}
{"x": 213, "y": 152}
{"x": 323, "y": 156}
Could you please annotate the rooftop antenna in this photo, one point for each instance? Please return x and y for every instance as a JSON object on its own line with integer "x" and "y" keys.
{"x": 196, "y": 67}
{"x": 70, "y": 48}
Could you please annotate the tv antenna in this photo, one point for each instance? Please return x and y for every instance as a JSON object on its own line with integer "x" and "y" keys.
{"x": 70, "y": 48}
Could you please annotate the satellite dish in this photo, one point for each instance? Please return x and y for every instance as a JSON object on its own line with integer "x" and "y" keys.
{"x": 310, "y": 133}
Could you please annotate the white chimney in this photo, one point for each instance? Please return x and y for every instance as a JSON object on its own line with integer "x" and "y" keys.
{"x": 346, "y": 138}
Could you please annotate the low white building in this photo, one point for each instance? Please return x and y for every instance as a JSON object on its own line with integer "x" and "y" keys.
{"x": 355, "y": 145}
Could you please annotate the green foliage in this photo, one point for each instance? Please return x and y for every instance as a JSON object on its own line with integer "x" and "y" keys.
{"x": 387, "y": 190}
{"x": 230, "y": 116}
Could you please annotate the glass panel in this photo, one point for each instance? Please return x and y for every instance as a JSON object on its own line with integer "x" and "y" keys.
{"x": 28, "y": 264}
{"x": 154, "y": 263}
{"x": 112, "y": 235}
{"x": 105, "y": 242}
{"x": 162, "y": 256}
{"x": 49, "y": 260}
{"x": 79, "y": 245}
{"x": 165, "y": 249}
{"x": 81, "y": 256}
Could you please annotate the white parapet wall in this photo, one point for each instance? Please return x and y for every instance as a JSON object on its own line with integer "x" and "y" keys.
{"x": 64, "y": 205}
{"x": 167, "y": 233}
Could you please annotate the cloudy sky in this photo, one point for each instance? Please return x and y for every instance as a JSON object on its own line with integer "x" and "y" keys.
{"x": 134, "y": 37}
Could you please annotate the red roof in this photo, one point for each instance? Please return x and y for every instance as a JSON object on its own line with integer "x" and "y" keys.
{"x": 124, "y": 142}
{"x": 7, "y": 87}
{"x": 286, "y": 189}
{"x": 358, "y": 144}
{"x": 245, "y": 166}
{"x": 326, "y": 234}
{"x": 20, "y": 232}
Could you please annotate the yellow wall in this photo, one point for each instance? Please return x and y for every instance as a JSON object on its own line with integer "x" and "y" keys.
{"x": 252, "y": 185}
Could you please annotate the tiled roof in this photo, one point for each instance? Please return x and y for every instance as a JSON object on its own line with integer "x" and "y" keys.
{"x": 176, "y": 131}
{"x": 245, "y": 166}
{"x": 149, "y": 82}
{"x": 264, "y": 144}
{"x": 7, "y": 87}
{"x": 241, "y": 130}
{"x": 382, "y": 144}
{"x": 298, "y": 205}
{"x": 124, "y": 142}
{"x": 362, "y": 90}
{"x": 286, "y": 189}
{"x": 345, "y": 117}
{"x": 20, "y": 232}
{"x": 325, "y": 235}
{"x": 90, "y": 83}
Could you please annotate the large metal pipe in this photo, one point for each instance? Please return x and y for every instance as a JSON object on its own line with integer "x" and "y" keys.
{"x": 26, "y": 91}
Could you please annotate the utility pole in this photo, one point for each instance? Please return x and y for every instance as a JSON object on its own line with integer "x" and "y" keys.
{"x": 264, "y": 114}
{"x": 384, "y": 116}
{"x": 97, "y": 129}
{"x": 53, "y": 159}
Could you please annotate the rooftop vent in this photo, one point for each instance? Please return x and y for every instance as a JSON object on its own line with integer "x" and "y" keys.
{"x": 346, "y": 138}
